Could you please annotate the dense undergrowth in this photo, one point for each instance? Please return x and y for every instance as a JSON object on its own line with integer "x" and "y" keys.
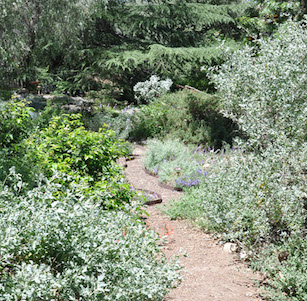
{"x": 70, "y": 226}
{"x": 191, "y": 117}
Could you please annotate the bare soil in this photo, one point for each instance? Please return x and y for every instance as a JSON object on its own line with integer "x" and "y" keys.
{"x": 210, "y": 273}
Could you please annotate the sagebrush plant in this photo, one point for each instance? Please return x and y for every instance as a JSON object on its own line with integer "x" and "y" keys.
{"x": 57, "y": 244}
{"x": 176, "y": 163}
{"x": 149, "y": 90}
{"x": 264, "y": 90}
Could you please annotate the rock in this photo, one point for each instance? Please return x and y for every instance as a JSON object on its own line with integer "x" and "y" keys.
{"x": 71, "y": 108}
{"x": 230, "y": 247}
{"x": 243, "y": 255}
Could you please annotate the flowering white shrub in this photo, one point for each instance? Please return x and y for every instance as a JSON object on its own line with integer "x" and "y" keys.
{"x": 265, "y": 91}
{"x": 149, "y": 90}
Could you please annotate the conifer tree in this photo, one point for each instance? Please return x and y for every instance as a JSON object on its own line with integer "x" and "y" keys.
{"x": 169, "y": 38}
{"x": 126, "y": 41}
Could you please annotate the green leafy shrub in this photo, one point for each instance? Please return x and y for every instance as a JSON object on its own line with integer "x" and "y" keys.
{"x": 57, "y": 244}
{"x": 15, "y": 122}
{"x": 5, "y": 94}
{"x": 66, "y": 146}
{"x": 44, "y": 116}
{"x": 86, "y": 157}
{"x": 194, "y": 118}
{"x": 109, "y": 94}
{"x": 148, "y": 121}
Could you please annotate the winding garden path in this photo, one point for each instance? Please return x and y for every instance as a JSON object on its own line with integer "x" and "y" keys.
{"x": 209, "y": 273}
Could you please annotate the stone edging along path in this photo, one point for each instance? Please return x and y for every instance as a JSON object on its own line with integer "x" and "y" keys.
{"x": 210, "y": 273}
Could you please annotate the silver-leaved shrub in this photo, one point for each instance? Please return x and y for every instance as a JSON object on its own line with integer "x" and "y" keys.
{"x": 149, "y": 90}
{"x": 57, "y": 244}
{"x": 264, "y": 90}
{"x": 260, "y": 198}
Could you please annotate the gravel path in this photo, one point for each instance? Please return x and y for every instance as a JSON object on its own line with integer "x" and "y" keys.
{"x": 210, "y": 273}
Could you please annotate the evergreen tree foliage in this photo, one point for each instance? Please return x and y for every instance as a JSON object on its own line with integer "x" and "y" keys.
{"x": 266, "y": 16}
{"x": 171, "y": 39}
{"x": 126, "y": 41}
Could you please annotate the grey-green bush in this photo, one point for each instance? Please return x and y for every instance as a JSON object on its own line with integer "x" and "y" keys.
{"x": 264, "y": 90}
{"x": 57, "y": 244}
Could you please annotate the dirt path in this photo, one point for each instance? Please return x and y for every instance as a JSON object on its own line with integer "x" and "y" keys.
{"x": 211, "y": 273}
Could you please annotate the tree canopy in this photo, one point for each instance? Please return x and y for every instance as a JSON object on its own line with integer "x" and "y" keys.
{"x": 73, "y": 42}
